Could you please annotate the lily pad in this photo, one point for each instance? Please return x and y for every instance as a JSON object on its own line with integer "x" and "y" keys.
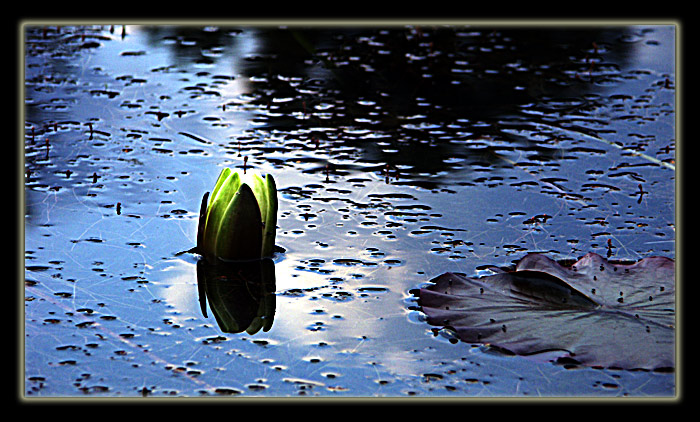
{"x": 597, "y": 312}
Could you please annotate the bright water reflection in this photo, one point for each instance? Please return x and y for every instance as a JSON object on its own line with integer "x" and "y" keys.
{"x": 400, "y": 153}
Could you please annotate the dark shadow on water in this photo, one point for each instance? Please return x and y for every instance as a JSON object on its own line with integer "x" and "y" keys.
{"x": 412, "y": 99}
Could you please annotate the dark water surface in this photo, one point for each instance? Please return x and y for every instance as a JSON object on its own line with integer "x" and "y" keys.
{"x": 400, "y": 153}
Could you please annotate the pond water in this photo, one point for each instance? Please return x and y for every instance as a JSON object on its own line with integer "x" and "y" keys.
{"x": 400, "y": 153}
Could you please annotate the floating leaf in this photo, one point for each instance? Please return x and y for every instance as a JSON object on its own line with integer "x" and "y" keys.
{"x": 600, "y": 313}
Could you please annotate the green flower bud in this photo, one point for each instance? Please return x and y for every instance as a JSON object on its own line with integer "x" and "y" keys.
{"x": 240, "y": 220}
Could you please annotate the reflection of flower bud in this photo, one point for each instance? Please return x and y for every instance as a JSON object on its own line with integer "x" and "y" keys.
{"x": 241, "y": 295}
{"x": 240, "y": 218}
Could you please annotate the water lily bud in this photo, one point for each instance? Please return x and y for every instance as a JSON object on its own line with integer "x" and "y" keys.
{"x": 241, "y": 218}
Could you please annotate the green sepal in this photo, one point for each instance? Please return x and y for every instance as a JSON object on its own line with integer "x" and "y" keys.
{"x": 270, "y": 218}
{"x": 239, "y": 232}
{"x": 226, "y": 187}
{"x": 201, "y": 223}
{"x": 265, "y": 192}
{"x": 223, "y": 176}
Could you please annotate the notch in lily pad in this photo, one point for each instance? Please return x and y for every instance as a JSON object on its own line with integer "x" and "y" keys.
{"x": 238, "y": 221}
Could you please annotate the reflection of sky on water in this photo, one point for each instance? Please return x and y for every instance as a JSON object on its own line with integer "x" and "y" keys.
{"x": 348, "y": 313}
{"x": 355, "y": 244}
{"x": 661, "y": 57}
